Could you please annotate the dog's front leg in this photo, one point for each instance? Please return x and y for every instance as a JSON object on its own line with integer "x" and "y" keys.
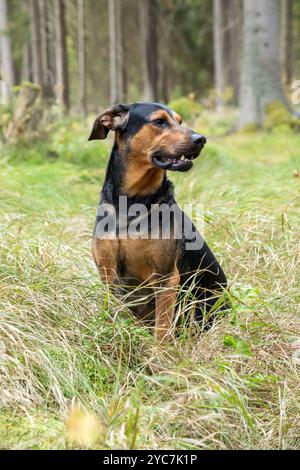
{"x": 165, "y": 302}
{"x": 105, "y": 253}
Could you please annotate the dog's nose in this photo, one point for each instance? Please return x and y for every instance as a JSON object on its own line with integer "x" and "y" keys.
{"x": 198, "y": 139}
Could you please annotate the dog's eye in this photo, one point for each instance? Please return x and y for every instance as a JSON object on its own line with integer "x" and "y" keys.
{"x": 160, "y": 122}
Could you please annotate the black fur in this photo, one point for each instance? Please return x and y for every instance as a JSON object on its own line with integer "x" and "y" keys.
{"x": 199, "y": 267}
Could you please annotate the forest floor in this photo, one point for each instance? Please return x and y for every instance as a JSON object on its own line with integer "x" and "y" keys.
{"x": 64, "y": 340}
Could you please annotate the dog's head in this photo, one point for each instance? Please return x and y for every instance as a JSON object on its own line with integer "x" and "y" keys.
{"x": 151, "y": 135}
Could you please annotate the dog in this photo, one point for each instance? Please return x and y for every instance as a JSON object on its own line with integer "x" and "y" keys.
{"x": 149, "y": 141}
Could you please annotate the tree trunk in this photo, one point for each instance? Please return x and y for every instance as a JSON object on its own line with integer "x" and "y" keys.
{"x": 7, "y": 65}
{"x": 120, "y": 65}
{"x": 46, "y": 50}
{"x": 166, "y": 27}
{"x": 51, "y": 41}
{"x": 149, "y": 40}
{"x": 43, "y": 38}
{"x": 26, "y": 68}
{"x": 81, "y": 56}
{"x": 112, "y": 50}
{"x": 261, "y": 75}
{"x": 218, "y": 52}
{"x": 116, "y": 51}
{"x": 233, "y": 13}
{"x": 164, "y": 83}
{"x": 23, "y": 112}
{"x": 287, "y": 40}
{"x": 25, "y": 72}
{"x": 62, "y": 87}
{"x": 37, "y": 69}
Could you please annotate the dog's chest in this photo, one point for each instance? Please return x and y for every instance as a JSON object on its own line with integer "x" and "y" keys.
{"x": 141, "y": 259}
{"x": 136, "y": 260}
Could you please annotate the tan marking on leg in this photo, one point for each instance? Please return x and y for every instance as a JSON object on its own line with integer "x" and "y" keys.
{"x": 165, "y": 301}
{"x": 105, "y": 253}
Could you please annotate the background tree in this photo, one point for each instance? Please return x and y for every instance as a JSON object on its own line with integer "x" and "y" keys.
{"x": 149, "y": 41}
{"x": 167, "y": 13}
{"x": 287, "y": 40}
{"x": 261, "y": 72}
{"x": 26, "y": 59}
{"x": 81, "y": 55}
{"x": 227, "y": 47}
{"x": 116, "y": 51}
{"x": 36, "y": 43}
{"x": 91, "y": 53}
{"x": 233, "y": 37}
{"x": 7, "y": 65}
{"x": 62, "y": 86}
{"x": 189, "y": 46}
{"x": 219, "y": 65}
{"x": 47, "y": 48}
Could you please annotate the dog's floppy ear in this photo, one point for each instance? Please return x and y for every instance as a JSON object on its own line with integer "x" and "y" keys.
{"x": 113, "y": 119}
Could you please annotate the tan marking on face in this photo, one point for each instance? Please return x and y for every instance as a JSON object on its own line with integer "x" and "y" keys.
{"x": 177, "y": 117}
{"x": 141, "y": 176}
{"x": 161, "y": 114}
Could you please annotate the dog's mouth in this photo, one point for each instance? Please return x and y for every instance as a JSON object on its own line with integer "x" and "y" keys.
{"x": 165, "y": 161}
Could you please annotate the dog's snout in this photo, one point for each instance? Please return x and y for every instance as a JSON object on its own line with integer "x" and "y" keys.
{"x": 198, "y": 139}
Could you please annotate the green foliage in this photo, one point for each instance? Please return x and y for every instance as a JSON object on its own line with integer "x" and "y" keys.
{"x": 62, "y": 139}
{"x": 276, "y": 114}
{"x": 240, "y": 346}
{"x": 64, "y": 337}
{"x": 186, "y": 107}
{"x": 249, "y": 129}
{"x": 216, "y": 123}
{"x": 190, "y": 43}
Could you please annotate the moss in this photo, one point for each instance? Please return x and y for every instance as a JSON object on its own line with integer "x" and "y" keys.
{"x": 276, "y": 114}
{"x": 249, "y": 129}
{"x": 31, "y": 85}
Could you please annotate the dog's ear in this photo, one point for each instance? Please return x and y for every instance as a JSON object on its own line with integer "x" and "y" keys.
{"x": 113, "y": 119}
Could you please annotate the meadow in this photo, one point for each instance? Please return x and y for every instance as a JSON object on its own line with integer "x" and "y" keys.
{"x": 75, "y": 368}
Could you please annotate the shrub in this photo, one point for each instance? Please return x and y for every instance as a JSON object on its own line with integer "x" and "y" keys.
{"x": 187, "y": 107}
{"x": 276, "y": 114}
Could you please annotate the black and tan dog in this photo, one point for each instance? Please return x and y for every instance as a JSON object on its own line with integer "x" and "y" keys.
{"x": 149, "y": 141}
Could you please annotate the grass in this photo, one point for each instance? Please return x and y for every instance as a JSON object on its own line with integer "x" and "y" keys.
{"x": 75, "y": 368}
